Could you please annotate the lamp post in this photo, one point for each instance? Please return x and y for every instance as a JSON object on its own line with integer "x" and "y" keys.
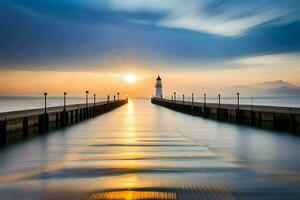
{"x": 204, "y": 100}
{"x": 45, "y": 94}
{"x": 65, "y": 94}
{"x": 183, "y": 98}
{"x": 219, "y": 101}
{"x": 238, "y": 100}
{"x": 251, "y": 103}
{"x": 86, "y": 98}
{"x": 192, "y": 98}
{"x": 94, "y": 99}
{"x": 175, "y": 96}
{"x": 118, "y": 96}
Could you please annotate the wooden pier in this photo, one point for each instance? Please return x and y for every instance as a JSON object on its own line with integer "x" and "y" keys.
{"x": 18, "y": 125}
{"x": 270, "y": 117}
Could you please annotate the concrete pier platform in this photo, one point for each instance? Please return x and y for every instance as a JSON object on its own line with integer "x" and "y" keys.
{"x": 270, "y": 117}
{"x": 18, "y": 125}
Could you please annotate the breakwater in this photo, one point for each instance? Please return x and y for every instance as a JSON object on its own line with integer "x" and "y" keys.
{"x": 18, "y": 125}
{"x": 269, "y": 117}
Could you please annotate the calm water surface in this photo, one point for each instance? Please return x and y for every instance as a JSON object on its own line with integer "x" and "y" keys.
{"x": 143, "y": 151}
{"x": 13, "y": 103}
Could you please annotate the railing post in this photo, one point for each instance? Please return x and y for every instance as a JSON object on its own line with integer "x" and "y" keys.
{"x": 183, "y": 98}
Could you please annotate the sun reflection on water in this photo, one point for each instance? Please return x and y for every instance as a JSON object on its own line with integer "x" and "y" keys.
{"x": 130, "y": 135}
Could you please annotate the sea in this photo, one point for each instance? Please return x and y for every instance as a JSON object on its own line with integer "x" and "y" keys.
{"x": 13, "y": 103}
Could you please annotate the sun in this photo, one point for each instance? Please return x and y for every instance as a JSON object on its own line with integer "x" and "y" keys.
{"x": 130, "y": 78}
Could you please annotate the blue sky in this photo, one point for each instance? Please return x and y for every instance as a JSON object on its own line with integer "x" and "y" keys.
{"x": 55, "y": 34}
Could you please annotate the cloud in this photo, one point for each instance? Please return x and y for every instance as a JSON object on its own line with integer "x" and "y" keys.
{"x": 291, "y": 60}
{"x": 171, "y": 33}
{"x": 144, "y": 5}
{"x": 218, "y": 25}
{"x": 221, "y": 18}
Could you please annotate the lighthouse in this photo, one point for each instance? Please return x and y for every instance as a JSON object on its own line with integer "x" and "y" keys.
{"x": 158, "y": 87}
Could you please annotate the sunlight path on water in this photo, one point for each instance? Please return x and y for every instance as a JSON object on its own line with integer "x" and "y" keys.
{"x": 143, "y": 151}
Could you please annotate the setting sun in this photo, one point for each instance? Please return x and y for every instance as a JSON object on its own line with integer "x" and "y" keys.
{"x": 130, "y": 78}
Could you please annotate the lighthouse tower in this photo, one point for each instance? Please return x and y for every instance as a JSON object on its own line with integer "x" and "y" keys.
{"x": 158, "y": 86}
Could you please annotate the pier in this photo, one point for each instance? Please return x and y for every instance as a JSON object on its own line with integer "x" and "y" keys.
{"x": 269, "y": 117}
{"x": 18, "y": 125}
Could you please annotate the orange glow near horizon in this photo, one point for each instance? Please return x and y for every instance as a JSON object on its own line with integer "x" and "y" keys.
{"x": 75, "y": 83}
{"x": 139, "y": 82}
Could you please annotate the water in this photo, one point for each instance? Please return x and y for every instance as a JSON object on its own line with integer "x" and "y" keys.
{"x": 13, "y": 103}
{"x": 144, "y": 151}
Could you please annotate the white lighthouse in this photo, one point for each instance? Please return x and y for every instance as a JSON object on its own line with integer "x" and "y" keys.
{"x": 158, "y": 86}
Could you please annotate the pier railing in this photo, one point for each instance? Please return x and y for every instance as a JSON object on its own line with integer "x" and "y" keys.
{"x": 271, "y": 117}
{"x": 18, "y": 125}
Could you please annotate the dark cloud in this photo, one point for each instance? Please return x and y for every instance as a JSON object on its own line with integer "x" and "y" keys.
{"x": 45, "y": 33}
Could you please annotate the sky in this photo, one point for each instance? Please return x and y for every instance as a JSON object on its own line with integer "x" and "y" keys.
{"x": 196, "y": 46}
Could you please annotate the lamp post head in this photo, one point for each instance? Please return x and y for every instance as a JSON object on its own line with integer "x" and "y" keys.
{"x": 45, "y": 93}
{"x": 65, "y": 93}
{"x": 86, "y": 92}
{"x": 238, "y": 93}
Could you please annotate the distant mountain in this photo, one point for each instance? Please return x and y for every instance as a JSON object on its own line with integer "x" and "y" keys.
{"x": 275, "y": 84}
{"x": 269, "y": 88}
